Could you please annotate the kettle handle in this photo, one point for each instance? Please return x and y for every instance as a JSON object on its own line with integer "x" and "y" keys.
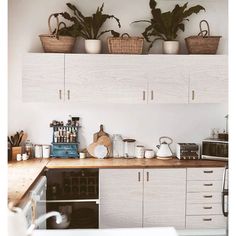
{"x": 166, "y": 137}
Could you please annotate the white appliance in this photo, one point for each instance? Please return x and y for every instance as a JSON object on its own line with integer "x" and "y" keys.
{"x": 163, "y": 150}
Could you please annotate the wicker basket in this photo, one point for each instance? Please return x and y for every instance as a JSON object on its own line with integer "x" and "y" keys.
{"x": 203, "y": 43}
{"x": 55, "y": 43}
{"x": 125, "y": 45}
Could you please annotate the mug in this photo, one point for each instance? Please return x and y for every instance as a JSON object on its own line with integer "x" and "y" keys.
{"x": 149, "y": 153}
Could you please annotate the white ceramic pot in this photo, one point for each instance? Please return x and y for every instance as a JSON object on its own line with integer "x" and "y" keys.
{"x": 171, "y": 47}
{"x": 93, "y": 46}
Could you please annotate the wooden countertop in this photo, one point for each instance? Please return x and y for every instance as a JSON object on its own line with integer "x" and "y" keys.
{"x": 130, "y": 163}
{"x": 22, "y": 175}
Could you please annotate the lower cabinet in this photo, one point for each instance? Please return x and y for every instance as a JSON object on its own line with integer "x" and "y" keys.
{"x": 164, "y": 198}
{"x": 121, "y": 196}
{"x": 142, "y": 198}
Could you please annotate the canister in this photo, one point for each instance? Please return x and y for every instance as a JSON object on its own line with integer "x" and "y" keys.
{"x": 139, "y": 151}
{"x": 38, "y": 151}
{"x": 129, "y": 148}
{"x": 46, "y": 151}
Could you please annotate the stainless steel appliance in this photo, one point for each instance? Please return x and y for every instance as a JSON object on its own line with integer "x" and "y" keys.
{"x": 215, "y": 149}
{"x": 187, "y": 151}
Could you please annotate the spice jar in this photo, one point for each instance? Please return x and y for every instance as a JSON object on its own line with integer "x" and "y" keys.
{"x": 129, "y": 148}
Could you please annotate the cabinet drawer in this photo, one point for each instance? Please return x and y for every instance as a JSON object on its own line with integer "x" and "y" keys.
{"x": 206, "y": 222}
{"x": 204, "y": 209}
{"x": 212, "y": 197}
{"x": 204, "y": 186}
{"x": 205, "y": 173}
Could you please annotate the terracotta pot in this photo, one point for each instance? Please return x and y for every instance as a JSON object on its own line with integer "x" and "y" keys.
{"x": 171, "y": 47}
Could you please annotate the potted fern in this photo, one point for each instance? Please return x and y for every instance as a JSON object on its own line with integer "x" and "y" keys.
{"x": 88, "y": 27}
{"x": 166, "y": 25}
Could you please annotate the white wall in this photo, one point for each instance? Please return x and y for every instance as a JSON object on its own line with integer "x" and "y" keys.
{"x": 186, "y": 123}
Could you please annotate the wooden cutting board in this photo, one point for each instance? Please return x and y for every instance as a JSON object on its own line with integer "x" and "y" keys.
{"x": 100, "y": 133}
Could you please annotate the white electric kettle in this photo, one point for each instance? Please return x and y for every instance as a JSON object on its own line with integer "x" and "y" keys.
{"x": 163, "y": 150}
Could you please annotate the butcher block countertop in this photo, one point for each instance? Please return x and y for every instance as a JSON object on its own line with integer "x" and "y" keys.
{"x": 130, "y": 163}
{"x": 22, "y": 175}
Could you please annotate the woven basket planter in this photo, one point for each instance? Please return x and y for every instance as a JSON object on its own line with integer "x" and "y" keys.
{"x": 125, "y": 45}
{"x": 203, "y": 43}
{"x": 55, "y": 43}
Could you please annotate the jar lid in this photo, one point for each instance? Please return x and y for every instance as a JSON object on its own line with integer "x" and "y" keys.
{"x": 129, "y": 140}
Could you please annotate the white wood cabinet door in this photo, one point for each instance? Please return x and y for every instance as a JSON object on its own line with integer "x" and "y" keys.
{"x": 208, "y": 76}
{"x": 105, "y": 79}
{"x": 167, "y": 79}
{"x": 43, "y": 77}
{"x": 121, "y": 194}
{"x": 164, "y": 198}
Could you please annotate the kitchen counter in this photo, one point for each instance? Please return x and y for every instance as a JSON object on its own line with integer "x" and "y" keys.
{"x": 22, "y": 175}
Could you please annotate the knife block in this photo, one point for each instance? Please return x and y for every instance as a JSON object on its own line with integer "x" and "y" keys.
{"x": 14, "y": 152}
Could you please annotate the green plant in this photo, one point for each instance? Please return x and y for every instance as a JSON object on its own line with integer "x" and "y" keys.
{"x": 88, "y": 27}
{"x": 165, "y": 25}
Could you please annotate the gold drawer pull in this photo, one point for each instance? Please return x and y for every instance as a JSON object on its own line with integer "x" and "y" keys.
{"x": 207, "y": 208}
{"x": 207, "y": 219}
{"x": 208, "y": 184}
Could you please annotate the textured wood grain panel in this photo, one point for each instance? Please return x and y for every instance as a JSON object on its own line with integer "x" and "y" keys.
{"x": 208, "y": 79}
{"x": 167, "y": 78}
{"x": 164, "y": 197}
{"x": 204, "y": 209}
{"x": 120, "y": 198}
{"x": 43, "y": 77}
{"x": 106, "y": 78}
{"x": 204, "y": 186}
{"x": 202, "y": 197}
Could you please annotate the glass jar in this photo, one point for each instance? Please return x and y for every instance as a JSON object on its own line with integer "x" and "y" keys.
{"x": 118, "y": 146}
{"x": 129, "y": 148}
{"x": 29, "y": 148}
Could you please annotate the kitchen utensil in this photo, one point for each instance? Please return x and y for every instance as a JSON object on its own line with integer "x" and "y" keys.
{"x": 100, "y": 133}
{"x": 118, "y": 146}
{"x": 46, "y": 151}
{"x": 139, "y": 151}
{"x": 163, "y": 150}
{"x": 15, "y": 151}
{"x": 106, "y": 141}
{"x": 100, "y": 151}
{"x": 129, "y": 148}
{"x": 149, "y": 153}
{"x": 90, "y": 149}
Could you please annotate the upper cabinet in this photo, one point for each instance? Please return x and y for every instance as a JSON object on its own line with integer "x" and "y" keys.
{"x": 125, "y": 79}
{"x": 208, "y": 79}
{"x": 105, "y": 79}
{"x": 167, "y": 79}
{"x": 43, "y": 77}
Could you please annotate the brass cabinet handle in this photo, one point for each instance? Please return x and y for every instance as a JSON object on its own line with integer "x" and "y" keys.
{"x": 144, "y": 95}
{"x": 147, "y": 176}
{"x": 193, "y": 94}
{"x": 68, "y": 94}
{"x": 139, "y": 176}
{"x": 207, "y": 208}
{"x": 152, "y": 95}
{"x": 208, "y": 171}
{"x": 207, "y": 219}
{"x": 60, "y": 97}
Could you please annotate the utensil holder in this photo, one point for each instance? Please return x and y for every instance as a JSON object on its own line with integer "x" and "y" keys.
{"x": 14, "y": 152}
